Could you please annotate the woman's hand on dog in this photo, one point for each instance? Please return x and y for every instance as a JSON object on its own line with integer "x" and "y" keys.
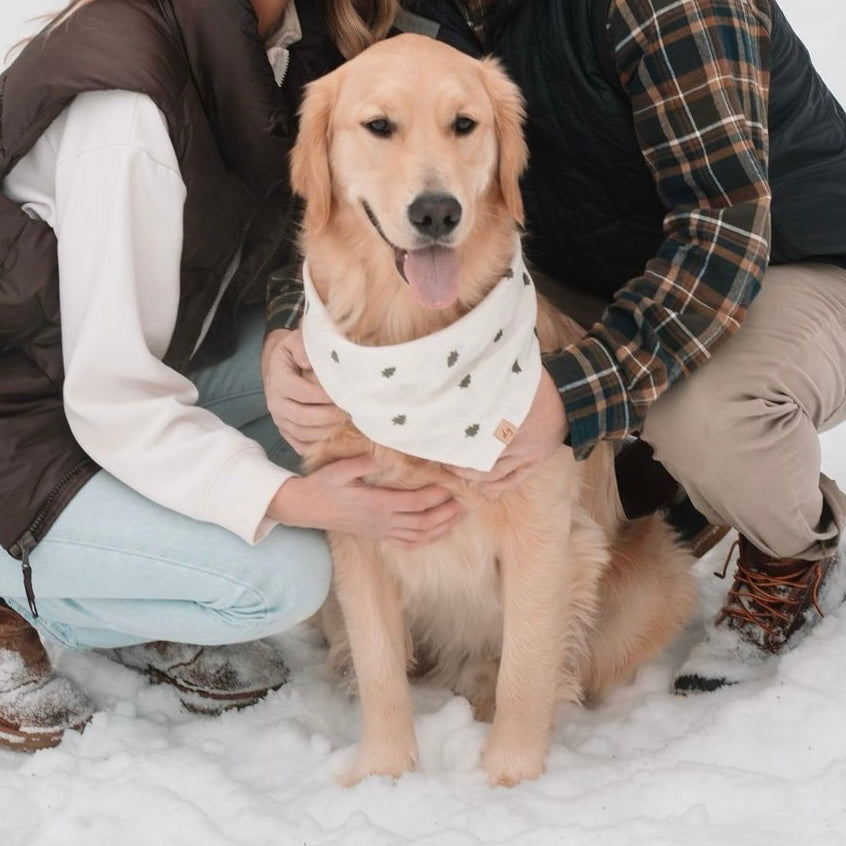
{"x": 336, "y": 497}
{"x": 300, "y": 408}
{"x": 541, "y": 433}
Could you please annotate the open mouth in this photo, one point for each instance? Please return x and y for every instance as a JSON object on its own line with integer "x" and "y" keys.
{"x": 431, "y": 272}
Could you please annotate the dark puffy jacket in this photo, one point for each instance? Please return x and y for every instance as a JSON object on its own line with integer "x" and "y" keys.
{"x": 584, "y": 149}
{"x": 202, "y": 63}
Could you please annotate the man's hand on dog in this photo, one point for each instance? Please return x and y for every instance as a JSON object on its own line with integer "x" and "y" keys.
{"x": 541, "y": 433}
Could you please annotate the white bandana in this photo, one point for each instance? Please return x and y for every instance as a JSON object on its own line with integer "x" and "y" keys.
{"x": 456, "y": 396}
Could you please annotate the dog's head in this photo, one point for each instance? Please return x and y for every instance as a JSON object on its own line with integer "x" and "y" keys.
{"x": 420, "y": 144}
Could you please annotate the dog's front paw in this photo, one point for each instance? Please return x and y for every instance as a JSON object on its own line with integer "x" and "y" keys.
{"x": 382, "y": 761}
{"x": 507, "y": 766}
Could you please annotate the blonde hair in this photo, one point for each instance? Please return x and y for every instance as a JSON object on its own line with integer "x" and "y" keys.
{"x": 348, "y": 28}
{"x": 351, "y": 32}
{"x": 65, "y": 13}
{"x": 52, "y": 19}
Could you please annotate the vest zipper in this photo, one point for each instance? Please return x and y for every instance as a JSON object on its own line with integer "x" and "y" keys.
{"x": 29, "y": 539}
{"x": 281, "y": 72}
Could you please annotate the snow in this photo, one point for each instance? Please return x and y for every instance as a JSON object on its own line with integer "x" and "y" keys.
{"x": 761, "y": 763}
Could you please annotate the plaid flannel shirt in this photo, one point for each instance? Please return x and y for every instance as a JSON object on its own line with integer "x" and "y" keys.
{"x": 697, "y": 76}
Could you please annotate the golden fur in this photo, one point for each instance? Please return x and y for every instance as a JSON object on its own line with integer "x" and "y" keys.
{"x": 543, "y": 594}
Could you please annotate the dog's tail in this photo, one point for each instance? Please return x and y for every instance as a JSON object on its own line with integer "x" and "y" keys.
{"x": 647, "y": 596}
{"x": 648, "y": 590}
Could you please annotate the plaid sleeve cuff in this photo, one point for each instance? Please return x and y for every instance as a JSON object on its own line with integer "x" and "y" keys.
{"x": 285, "y": 298}
{"x": 595, "y": 399}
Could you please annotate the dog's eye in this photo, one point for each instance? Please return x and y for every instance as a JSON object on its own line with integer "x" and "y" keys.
{"x": 380, "y": 126}
{"x": 463, "y": 125}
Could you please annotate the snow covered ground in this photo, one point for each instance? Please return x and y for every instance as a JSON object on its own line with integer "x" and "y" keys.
{"x": 761, "y": 764}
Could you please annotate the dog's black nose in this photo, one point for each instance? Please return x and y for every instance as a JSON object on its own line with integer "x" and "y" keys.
{"x": 435, "y": 215}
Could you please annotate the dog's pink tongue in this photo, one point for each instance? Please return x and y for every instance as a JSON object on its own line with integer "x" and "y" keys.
{"x": 432, "y": 274}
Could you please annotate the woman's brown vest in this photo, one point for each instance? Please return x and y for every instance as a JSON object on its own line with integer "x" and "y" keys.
{"x": 203, "y": 65}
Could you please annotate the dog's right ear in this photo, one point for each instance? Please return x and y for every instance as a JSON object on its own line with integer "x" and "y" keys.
{"x": 509, "y": 115}
{"x": 310, "y": 176}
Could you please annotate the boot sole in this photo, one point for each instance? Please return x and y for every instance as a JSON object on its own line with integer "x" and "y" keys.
{"x": 207, "y": 702}
{"x": 18, "y": 740}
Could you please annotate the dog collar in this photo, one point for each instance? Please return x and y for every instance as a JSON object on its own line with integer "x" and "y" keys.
{"x": 456, "y": 396}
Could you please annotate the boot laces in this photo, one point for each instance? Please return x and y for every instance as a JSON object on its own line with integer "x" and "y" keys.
{"x": 769, "y": 601}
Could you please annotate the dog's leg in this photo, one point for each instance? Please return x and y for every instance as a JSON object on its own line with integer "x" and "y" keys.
{"x": 378, "y": 641}
{"x": 529, "y": 669}
{"x": 552, "y": 559}
{"x": 330, "y": 621}
{"x": 539, "y": 623}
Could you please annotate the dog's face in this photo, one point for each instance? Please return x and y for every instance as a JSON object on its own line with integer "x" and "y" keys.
{"x": 418, "y": 141}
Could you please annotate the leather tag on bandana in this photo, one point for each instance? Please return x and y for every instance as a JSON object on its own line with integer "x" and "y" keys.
{"x": 505, "y": 431}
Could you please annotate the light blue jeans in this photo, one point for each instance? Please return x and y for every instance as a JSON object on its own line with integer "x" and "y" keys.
{"x": 116, "y": 569}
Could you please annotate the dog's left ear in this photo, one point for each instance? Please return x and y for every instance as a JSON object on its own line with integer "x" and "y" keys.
{"x": 310, "y": 175}
{"x": 509, "y": 114}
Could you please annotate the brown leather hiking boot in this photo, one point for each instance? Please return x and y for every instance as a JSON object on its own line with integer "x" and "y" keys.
{"x": 37, "y": 706}
{"x": 771, "y": 599}
{"x": 770, "y": 606}
{"x": 210, "y": 679}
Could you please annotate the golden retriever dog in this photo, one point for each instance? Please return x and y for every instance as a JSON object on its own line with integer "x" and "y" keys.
{"x": 408, "y": 159}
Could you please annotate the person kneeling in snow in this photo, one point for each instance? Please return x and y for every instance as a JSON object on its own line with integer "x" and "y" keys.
{"x": 688, "y": 169}
{"x": 143, "y": 153}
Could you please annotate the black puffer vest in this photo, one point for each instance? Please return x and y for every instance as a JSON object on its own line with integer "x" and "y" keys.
{"x": 203, "y": 65}
{"x": 593, "y": 215}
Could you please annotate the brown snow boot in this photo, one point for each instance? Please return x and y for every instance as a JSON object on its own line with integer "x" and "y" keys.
{"x": 771, "y": 606}
{"x": 37, "y": 706}
{"x": 210, "y": 679}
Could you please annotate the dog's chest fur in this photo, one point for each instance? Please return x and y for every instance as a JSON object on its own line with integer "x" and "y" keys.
{"x": 451, "y": 596}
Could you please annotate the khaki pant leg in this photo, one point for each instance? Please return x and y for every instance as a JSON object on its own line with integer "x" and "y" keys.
{"x": 741, "y": 434}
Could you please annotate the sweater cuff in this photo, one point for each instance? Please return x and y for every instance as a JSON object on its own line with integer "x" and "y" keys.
{"x": 240, "y": 495}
